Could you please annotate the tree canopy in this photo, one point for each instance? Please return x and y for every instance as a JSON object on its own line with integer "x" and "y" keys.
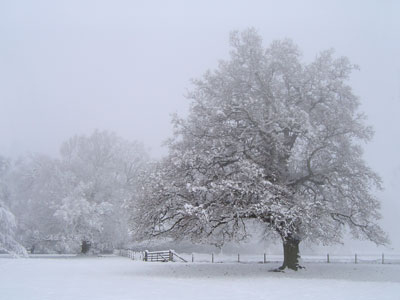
{"x": 272, "y": 139}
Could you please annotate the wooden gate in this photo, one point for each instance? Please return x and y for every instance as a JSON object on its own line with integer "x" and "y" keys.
{"x": 162, "y": 256}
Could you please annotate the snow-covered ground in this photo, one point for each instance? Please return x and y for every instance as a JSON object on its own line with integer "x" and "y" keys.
{"x": 119, "y": 278}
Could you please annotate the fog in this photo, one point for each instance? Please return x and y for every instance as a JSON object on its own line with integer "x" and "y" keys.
{"x": 69, "y": 67}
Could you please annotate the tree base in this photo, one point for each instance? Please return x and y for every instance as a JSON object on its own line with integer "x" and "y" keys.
{"x": 290, "y": 255}
{"x": 85, "y": 247}
{"x": 282, "y": 269}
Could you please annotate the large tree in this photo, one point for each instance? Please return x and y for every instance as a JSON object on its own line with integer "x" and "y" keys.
{"x": 272, "y": 139}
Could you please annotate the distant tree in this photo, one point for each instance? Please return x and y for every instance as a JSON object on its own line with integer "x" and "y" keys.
{"x": 99, "y": 174}
{"x": 80, "y": 200}
{"x": 269, "y": 139}
{"x": 8, "y": 225}
{"x": 37, "y": 186}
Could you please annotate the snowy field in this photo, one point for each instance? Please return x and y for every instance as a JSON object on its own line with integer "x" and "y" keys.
{"x": 119, "y": 278}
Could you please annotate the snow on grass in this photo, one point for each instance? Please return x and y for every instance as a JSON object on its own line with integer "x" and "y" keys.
{"x": 119, "y": 278}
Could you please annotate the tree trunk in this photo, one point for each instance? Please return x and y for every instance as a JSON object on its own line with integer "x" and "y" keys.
{"x": 290, "y": 254}
{"x": 85, "y": 247}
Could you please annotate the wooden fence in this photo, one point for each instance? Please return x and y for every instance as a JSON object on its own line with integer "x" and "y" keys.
{"x": 170, "y": 255}
{"x": 150, "y": 256}
{"x": 162, "y": 256}
{"x": 134, "y": 255}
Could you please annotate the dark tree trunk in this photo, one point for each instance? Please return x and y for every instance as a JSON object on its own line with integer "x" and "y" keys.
{"x": 291, "y": 254}
{"x": 85, "y": 247}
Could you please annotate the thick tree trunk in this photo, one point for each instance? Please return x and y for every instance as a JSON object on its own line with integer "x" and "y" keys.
{"x": 291, "y": 254}
{"x": 85, "y": 247}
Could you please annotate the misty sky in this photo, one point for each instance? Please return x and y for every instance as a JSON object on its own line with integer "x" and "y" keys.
{"x": 69, "y": 67}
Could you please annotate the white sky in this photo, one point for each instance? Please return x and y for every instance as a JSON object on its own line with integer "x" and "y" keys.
{"x": 69, "y": 67}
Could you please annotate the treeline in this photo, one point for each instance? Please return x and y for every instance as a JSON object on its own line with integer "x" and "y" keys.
{"x": 78, "y": 202}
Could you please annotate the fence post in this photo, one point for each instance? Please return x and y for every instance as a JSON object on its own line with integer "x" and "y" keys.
{"x": 238, "y": 257}
{"x": 265, "y": 257}
{"x": 145, "y": 255}
{"x": 171, "y": 255}
{"x": 383, "y": 258}
{"x": 327, "y": 258}
{"x": 212, "y": 257}
{"x": 355, "y": 258}
{"x": 192, "y": 257}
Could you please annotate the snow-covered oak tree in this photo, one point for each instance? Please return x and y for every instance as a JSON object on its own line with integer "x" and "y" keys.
{"x": 272, "y": 139}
